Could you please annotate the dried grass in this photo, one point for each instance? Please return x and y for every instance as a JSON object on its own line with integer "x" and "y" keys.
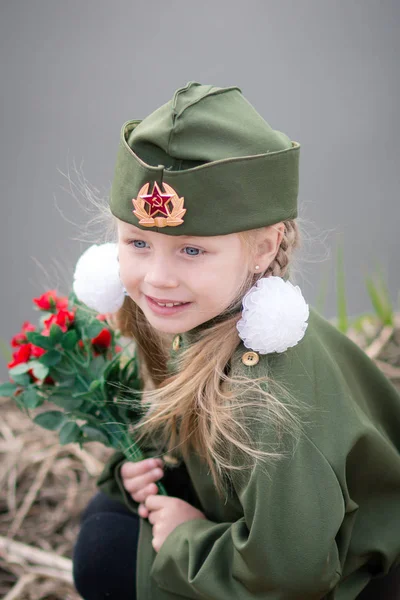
{"x": 45, "y": 486}
{"x": 43, "y": 489}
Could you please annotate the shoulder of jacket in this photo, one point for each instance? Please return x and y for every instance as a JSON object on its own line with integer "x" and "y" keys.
{"x": 250, "y": 362}
{"x": 315, "y": 356}
{"x": 320, "y": 334}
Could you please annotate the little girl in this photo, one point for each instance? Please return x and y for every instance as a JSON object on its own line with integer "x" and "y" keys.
{"x": 276, "y": 437}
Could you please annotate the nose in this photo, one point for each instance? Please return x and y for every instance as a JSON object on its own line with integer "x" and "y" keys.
{"x": 160, "y": 273}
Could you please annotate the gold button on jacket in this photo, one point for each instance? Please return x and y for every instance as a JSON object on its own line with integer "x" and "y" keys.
{"x": 250, "y": 358}
{"x": 176, "y": 344}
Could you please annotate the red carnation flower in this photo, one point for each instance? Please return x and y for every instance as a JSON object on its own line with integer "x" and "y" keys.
{"x": 20, "y": 338}
{"x": 50, "y": 300}
{"x": 22, "y": 355}
{"x": 63, "y": 318}
{"x": 103, "y": 339}
{"x": 36, "y": 351}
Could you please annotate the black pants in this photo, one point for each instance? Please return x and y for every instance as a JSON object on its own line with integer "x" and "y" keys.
{"x": 104, "y": 558}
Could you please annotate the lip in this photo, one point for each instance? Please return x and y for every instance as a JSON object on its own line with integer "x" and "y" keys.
{"x": 163, "y": 300}
{"x": 165, "y": 310}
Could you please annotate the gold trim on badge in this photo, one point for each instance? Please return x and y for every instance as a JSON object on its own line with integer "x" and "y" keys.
{"x": 250, "y": 359}
{"x": 158, "y": 202}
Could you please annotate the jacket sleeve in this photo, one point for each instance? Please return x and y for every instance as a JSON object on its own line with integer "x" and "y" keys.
{"x": 283, "y": 547}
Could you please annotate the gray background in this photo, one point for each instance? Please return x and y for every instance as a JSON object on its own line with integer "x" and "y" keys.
{"x": 324, "y": 72}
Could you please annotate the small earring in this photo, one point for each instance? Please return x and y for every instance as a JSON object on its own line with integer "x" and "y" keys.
{"x": 123, "y": 287}
{"x": 257, "y": 266}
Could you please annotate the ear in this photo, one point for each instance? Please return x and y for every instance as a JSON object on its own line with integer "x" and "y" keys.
{"x": 269, "y": 240}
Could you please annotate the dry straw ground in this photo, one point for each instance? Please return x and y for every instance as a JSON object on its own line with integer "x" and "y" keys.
{"x": 44, "y": 487}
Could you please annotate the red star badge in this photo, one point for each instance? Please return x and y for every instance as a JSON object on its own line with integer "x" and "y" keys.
{"x": 157, "y": 201}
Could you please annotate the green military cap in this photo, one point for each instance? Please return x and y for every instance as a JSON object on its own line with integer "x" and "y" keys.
{"x": 205, "y": 163}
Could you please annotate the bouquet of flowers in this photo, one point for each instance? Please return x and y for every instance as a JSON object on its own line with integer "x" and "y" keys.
{"x": 75, "y": 360}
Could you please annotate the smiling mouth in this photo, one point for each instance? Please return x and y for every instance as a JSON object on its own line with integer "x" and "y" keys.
{"x": 166, "y": 303}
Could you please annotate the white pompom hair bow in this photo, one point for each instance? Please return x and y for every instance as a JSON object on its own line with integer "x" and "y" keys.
{"x": 274, "y": 315}
{"x": 96, "y": 278}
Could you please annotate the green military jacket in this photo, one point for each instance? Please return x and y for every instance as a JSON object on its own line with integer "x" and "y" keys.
{"x": 322, "y": 522}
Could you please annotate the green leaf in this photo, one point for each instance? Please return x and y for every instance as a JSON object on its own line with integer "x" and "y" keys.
{"x": 56, "y": 333}
{"x": 69, "y": 433}
{"x": 95, "y": 384}
{"x": 380, "y": 299}
{"x": 72, "y": 299}
{"x": 82, "y": 395}
{"x": 83, "y": 316}
{"x": 66, "y": 401}
{"x": 91, "y": 434}
{"x": 19, "y": 369}
{"x": 68, "y": 382}
{"x": 90, "y": 392}
{"x": 30, "y": 398}
{"x": 42, "y": 341}
{"x": 52, "y": 419}
{"x": 63, "y": 370}
{"x": 94, "y": 328}
{"x": 97, "y": 366}
{"x": 23, "y": 379}
{"x": 51, "y": 358}
{"x": 130, "y": 370}
{"x": 39, "y": 370}
{"x": 69, "y": 340}
{"x": 8, "y": 389}
{"x": 112, "y": 369}
{"x": 87, "y": 417}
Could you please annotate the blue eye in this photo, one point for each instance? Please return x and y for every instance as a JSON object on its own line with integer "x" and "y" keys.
{"x": 194, "y": 251}
{"x": 134, "y": 242}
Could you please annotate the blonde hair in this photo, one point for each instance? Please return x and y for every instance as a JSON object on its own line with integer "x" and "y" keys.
{"x": 202, "y": 407}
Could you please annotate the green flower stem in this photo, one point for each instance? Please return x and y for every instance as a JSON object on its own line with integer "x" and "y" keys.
{"x": 133, "y": 453}
{"x": 127, "y": 445}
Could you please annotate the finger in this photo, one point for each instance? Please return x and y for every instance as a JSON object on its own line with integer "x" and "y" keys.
{"x": 143, "y": 512}
{"x": 156, "y": 502}
{"x": 152, "y": 516}
{"x": 133, "y": 469}
{"x": 135, "y": 484}
{"x": 142, "y": 494}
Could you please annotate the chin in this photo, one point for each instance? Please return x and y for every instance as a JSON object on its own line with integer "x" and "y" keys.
{"x": 165, "y": 324}
{"x": 170, "y": 325}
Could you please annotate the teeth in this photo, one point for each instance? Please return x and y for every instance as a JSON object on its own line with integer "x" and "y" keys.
{"x": 170, "y": 304}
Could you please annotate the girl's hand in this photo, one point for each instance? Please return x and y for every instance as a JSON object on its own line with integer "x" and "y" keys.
{"x": 165, "y": 513}
{"x": 139, "y": 477}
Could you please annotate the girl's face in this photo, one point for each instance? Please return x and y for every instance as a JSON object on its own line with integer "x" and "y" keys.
{"x": 202, "y": 274}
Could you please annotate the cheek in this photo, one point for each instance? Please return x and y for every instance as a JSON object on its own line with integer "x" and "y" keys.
{"x": 220, "y": 281}
{"x": 129, "y": 268}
